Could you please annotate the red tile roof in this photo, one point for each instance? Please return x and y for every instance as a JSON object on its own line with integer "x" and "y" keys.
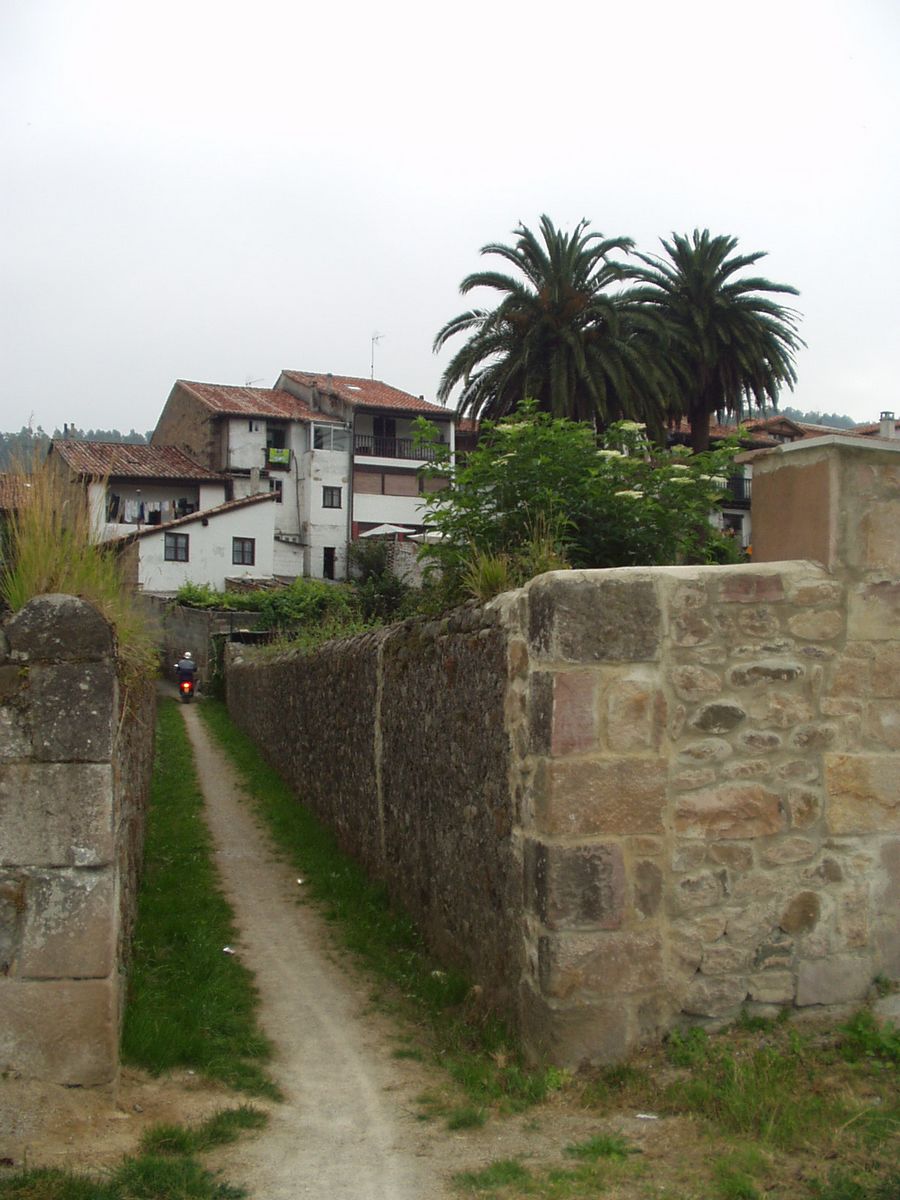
{"x": 201, "y": 515}
{"x": 119, "y": 460}
{"x": 251, "y": 402}
{"x": 366, "y": 393}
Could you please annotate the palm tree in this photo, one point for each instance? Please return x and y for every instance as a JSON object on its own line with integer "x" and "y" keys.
{"x": 729, "y": 343}
{"x": 560, "y": 335}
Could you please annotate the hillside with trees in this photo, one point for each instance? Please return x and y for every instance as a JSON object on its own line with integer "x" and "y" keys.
{"x": 21, "y": 447}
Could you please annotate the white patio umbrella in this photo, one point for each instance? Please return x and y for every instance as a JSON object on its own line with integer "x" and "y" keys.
{"x": 386, "y": 531}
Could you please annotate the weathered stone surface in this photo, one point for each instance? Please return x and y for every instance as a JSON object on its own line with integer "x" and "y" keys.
{"x": 734, "y": 855}
{"x": 874, "y": 610}
{"x": 718, "y": 718}
{"x": 803, "y": 770}
{"x": 575, "y": 886}
{"x": 691, "y": 629}
{"x": 746, "y": 769}
{"x": 612, "y": 796}
{"x": 884, "y": 681}
{"x": 722, "y": 958}
{"x": 57, "y": 628}
{"x": 706, "y": 750}
{"x": 765, "y": 673}
{"x": 853, "y": 916}
{"x": 863, "y": 793}
{"x": 781, "y": 709}
{"x": 805, "y": 807}
{"x": 700, "y": 891}
{"x": 55, "y": 814}
{"x": 73, "y": 710}
{"x": 15, "y": 737}
{"x": 715, "y": 996}
{"x": 563, "y": 712}
{"x": 648, "y": 885}
{"x": 817, "y": 593}
{"x": 579, "y": 965}
{"x": 635, "y": 714}
{"x": 790, "y": 850}
{"x": 836, "y": 980}
{"x": 771, "y": 987}
{"x": 686, "y": 781}
{"x": 63, "y": 1031}
{"x": 572, "y": 1035}
{"x": 688, "y": 856}
{"x": 695, "y": 683}
{"x": 732, "y": 811}
{"x": 813, "y": 737}
{"x": 886, "y": 929}
{"x": 882, "y": 724}
{"x": 13, "y": 683}
{"x": 817, "y": 625}
{"x": 596, "y": 616}
{"x": 70, "y": 927}
{"x": 802, "y": 913}
{"x": 751, "y": 588}
{"x": 774, "y": 952}
{"x": 759, "y": 741}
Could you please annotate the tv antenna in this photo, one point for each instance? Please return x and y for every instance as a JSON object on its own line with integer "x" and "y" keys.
{"x": 252, "y": 382}
{"x": 376, "y": 338}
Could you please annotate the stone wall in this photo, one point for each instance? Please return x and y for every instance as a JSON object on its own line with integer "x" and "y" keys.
{"x": 75, "y": 760}
{"x": 179, "y": 628}
{"x": 630, "y": 799}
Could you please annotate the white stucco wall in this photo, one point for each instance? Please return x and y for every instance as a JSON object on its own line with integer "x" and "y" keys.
{"x": 210, "y": 550}
{"x": 394, "y": 510}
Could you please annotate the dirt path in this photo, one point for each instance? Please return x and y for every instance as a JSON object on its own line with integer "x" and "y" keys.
{"x": 346, "y": 1128}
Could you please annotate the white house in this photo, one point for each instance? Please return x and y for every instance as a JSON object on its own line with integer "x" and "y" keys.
{"x": 337, "y": 452}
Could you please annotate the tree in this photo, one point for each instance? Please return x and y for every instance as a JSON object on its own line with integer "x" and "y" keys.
{"x": 561, "y": 335}
{"x": 729, "y": 343}
{"x": 537, "y": 487}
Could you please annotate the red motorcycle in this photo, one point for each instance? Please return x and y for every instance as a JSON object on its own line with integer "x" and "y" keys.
{"x": 186, "y": 690}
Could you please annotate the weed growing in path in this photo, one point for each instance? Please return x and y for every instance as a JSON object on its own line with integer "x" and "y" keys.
{"x": 189, "y": 1005}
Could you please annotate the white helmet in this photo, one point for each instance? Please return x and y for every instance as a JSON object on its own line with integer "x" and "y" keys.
{"x": 187, "y": 654}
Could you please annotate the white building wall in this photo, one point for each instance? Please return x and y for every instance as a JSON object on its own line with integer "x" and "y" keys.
{"x": 246, "y": 443}
{"x": 394, "y": 510}
{"x": 210, "y": 550}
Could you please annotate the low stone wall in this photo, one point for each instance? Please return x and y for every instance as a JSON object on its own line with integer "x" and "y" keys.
{"x": 179, "y": 628}
{"x": 629, "y": 799}
{"x": 75, "y": 761}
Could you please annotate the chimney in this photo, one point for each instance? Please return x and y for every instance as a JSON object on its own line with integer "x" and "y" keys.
{"x": 888, "y": 426}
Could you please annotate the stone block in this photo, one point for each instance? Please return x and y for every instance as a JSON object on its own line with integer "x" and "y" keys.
{"x": 884, "y": 679}
{"x": 817, "y": 625}
{"x": 594, "y": 616}
{"x": 840, "y": 979}
{"x": 800, "y": 770}
{"x": 722, "y": 958}
{"x": 60, "y": 1031}
{"x": 789, "y": 850}
{"x": 881, "y": 724}
{"x": 706, "y": 750}
{"x": 13, "y": 682}
{"x": 573, "y": 1035}
{"x": 700, "y": 891}
{"x": 771, "y": 987}
{"x": 648, "y": 886}
{"x": 886, "y": 905}
{"x": 73, "y": 712}
{"x": 715, "y": 996}
{"x": 56, "y": 628}
{"x": 731, "y": 811}
{"x": 719, "y": 717}
{"x": 56, "y": 814}
{"x": 572, "y": 887}
{"x": 687, "y": 781}
{"x": 853, "y": 917}
{"x": 805, "y": 807}
{"x": 759, "y": 741}
{"x": 15, "y": 738}
{"x": 743, "y": 768}
{"x": 574, "y": 728}
{"x": 751, "y": 588}
{"x": 69, "y": 929}
{"x": 635, "y": 714}
{"x": 762, "y": 674}
{"x": 780, "y": 709}
{"x": 692, "y": 629}
{"x": 879, "y": 540}
{"x": 813, "y": 737}
{"x": 863, "y": 793}
{"x": 608, "y": 796}
{"x": 695, "y": 683}
{"x": 802, "y": 913}
{"x": 814, "y": 593}
{"x": 874, "y": 610}
{"x": 605, "y": 965}
{"x": 734, "y": 855}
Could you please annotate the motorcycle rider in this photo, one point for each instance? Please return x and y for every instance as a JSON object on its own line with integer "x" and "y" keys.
{"x": 186, "y": 668}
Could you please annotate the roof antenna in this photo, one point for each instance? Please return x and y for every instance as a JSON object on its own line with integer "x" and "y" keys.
{"x": 251, "y": 382}
{"x": 376, "y": 337}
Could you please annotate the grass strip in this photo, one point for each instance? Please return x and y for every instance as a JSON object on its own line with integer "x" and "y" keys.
{"x": 477, "y": 1050}
{"x": 189, "y": 1004}
{"x": 164, "y": 1170}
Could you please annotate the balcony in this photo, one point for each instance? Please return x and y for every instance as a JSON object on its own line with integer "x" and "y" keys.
{"x": 277, "y": 458}
{"x": 366, "y": 444}
{"x": 738, "y": 491}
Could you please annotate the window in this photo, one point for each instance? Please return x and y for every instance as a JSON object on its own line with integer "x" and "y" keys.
{"x": 243, "y": 551}
{"x": 328, "y": 562}
{"x": 330, "y": 437}
{"x": 277, "y": 488}
{"x": 176, "y": 547}
{"x": 331, "y": 497}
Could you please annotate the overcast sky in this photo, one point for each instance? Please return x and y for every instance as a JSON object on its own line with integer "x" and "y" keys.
{"x": 217, "y": 191}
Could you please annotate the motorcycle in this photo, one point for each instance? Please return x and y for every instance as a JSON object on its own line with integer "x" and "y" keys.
{"x": 186, "y": 690}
